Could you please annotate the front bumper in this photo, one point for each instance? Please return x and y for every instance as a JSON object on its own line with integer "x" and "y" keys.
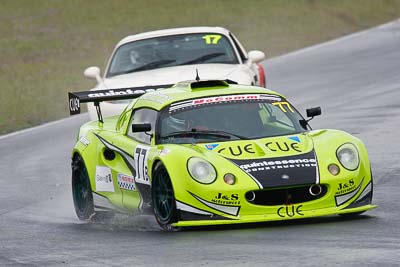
{"x": 233, "y": 207}
{"x": 275, "y": 217}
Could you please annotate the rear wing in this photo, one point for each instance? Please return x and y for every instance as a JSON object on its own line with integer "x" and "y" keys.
{"x": 76, "y": 98}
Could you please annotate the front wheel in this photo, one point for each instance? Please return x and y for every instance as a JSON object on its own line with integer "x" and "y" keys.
{"x": 164, "y": 205}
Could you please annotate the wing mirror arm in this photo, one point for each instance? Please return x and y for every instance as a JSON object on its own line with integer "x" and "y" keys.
{"x": 312, "y": 112}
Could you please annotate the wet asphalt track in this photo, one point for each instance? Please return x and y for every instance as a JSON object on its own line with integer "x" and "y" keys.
{"x": 356, "y": 80}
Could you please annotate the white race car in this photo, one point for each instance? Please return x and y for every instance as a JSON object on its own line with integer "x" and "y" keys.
{"x": 169, "y": 56}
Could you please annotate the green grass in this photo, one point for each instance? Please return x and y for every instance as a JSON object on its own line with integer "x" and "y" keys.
{"x": 46, "y": 44}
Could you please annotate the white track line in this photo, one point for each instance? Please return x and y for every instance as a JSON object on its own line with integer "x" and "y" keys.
{"x": 300, "y": 51}
{"x": 2, "y": 137}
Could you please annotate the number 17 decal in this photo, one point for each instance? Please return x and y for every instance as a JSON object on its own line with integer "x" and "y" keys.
{"x": 141, "y": 154}
{"x": 212, "y": 38}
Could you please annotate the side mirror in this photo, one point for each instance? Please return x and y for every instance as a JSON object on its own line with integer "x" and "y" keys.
{"x": 142, "y": 127}
{"x": 312, "y": 112}
{"x": 256, "y": 56}
{"x": 93, "y": 73}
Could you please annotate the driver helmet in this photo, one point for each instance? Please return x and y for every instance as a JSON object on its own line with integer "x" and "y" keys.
{"x": 134, "y": 55}
{"x": 178, "y": 124}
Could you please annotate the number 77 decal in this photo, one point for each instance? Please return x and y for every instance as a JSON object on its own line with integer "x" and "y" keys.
{"x": 283, "y": 106}
{"x": 141, "y": 154}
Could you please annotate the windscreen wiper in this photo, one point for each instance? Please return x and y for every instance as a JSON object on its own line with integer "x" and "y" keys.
{"x": 151, "y": 65}
{"x": 195, "y": 132}
{"x": 226, "y": 134}
{"x": 202, "y": 58}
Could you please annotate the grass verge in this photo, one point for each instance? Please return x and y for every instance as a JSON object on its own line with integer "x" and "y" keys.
{"x": 46, "y": 44}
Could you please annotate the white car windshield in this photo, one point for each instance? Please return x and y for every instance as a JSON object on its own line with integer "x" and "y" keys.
{"x": 168, "y": 51}
{"x": 226, "y": 118}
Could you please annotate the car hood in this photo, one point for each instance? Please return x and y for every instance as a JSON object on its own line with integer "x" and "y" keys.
{"x": 284, "y": 161}
{"x": 172, "y": 75}
{"x": 271, "y": 162}
{"x": 272, "y": 147}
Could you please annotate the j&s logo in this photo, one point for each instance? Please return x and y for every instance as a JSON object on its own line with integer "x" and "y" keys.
{"x": 226, "y": 199}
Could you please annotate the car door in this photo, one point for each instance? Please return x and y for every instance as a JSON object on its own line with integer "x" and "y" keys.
{"x": 136, "y": 186}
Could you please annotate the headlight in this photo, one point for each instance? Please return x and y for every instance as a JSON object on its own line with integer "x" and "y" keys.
{"x": 202, "y": 171}
{"x": 347, "y": 155}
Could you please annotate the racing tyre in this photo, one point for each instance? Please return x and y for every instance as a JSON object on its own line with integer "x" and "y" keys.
{"x": 81, "y": 190}
{"x": 164, "y": 205}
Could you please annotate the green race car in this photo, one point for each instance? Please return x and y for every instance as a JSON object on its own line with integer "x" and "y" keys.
{"x": 214, "y": 152}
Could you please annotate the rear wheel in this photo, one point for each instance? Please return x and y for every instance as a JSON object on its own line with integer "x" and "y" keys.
{"x": 81, "y": 189}
{"x": 164, "y": 205}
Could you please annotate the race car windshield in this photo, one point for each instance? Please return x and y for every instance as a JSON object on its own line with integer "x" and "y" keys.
{"x": 202, "y": 120}
{"x": 169, "y": 51}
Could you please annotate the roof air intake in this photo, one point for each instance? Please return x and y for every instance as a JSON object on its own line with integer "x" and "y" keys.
{"x": 209, "y": 83}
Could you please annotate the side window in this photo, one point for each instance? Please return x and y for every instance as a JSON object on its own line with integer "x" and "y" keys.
{"x": 122, "y": 119}
{"x": 279, "y": 114}
{"x": 276, "y": 117}
{"x": 239, "y": 48}
{"x": 143, "y": 115}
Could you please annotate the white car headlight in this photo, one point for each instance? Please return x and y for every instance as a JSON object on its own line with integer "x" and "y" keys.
{"x": 347, "y": 155}
{"x": 202, "y": 171}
